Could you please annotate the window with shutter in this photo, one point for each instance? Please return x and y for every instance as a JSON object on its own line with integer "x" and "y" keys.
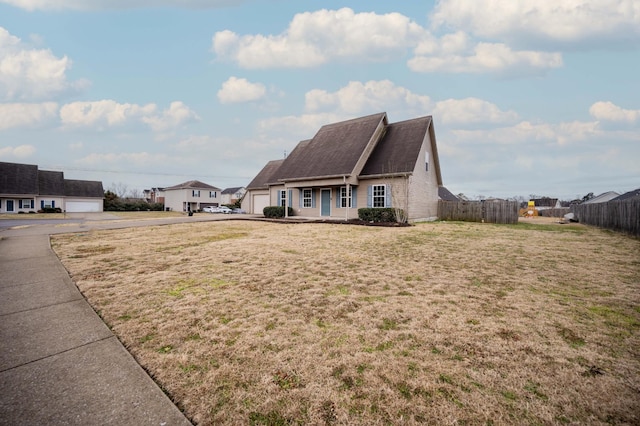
{"x": 307, "y": 198}
{"x": 379, "y": 197}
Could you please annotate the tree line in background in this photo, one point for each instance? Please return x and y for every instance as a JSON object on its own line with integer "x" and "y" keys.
{"x": 114, "y": 203}
{"x": 524, "y": 200}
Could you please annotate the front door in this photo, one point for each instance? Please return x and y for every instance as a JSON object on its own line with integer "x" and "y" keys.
{"x": 325, "y": 201}
{"x": 9, "y": 205}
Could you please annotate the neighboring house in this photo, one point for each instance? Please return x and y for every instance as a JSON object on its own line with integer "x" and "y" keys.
{"x": 546, "y": 203}
{"x": 25, "y": 188}
{"x": 191, "y": 196}
{"x": 631, "y": 195}
{"x": 232, "y": 195}
{"x": 445, "y": 195}
{"x": 364, "y": 162}
{"x": 602, "y": 198}
{"x": 154, "y": 195}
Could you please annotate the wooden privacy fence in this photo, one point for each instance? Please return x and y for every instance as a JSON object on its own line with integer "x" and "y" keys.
{"x": 622, "y": 216}
{"x": 479, "y": 211}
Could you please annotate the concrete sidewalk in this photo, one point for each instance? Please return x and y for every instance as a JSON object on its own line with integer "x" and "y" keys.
{"x": 59, "y": 363}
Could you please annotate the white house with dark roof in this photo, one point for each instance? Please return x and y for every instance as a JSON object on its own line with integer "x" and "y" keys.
{"x": 231, "y": 195}
{"x": 192, "y": 196}
{"x": 363, "y": 162}
{"x": 25, "y": 188}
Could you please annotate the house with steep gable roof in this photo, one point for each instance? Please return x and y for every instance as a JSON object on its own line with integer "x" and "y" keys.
{"x": 25, "y": 188}
{"x": 191, "y": 196}
{"x": 602, "y": 198}
{"x": 232, "y": 195}
{"x": 363, "y": 162}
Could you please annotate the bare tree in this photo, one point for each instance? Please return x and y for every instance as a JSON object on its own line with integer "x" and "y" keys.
{"x": 400, "y": 198}
{"x": 399, "y": 192}
{"x": 135, "y": 193}
{"x": 120, "y": 189}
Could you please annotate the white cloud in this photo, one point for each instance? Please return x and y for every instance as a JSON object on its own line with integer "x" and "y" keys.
{"x": 32, "y": 74}
{"x": 20, "y": 151}
{"x": 455, "y": 53}
{"x": 238, "y": 90}
{"x": 372, "y": 96}
{"x": 177, "y": 115}
{"x": 104, "y": 113}
{"x": 109, "y": 113}
{"x": 608, "y": 111}
{"x": 471, "y": 111}
{"x": 135, "y": 158}
{"x": 543, "y": 22}
{"x": 32, "y": 5}
{"x": 526, "y": 132}
{"x": 23, "y": 114}
{"x": 314, "y": 38}
{"x": 357, "y": 99}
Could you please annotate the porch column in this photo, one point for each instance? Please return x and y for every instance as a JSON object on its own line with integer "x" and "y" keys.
{"x": 349, "y": 201}
{"x": 286, "y": 202}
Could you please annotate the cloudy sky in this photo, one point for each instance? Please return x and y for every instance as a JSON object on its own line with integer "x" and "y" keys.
{"x": 527, "y": 97}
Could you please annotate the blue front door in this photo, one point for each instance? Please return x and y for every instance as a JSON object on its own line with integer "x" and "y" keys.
{"x": 9, "y": 205}
{"x": 325, "y": 201}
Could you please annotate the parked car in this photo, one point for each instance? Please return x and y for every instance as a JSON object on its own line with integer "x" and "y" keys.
{"x": 222, "y": 209}
{"x": 239, "y": 211}
{"x": 209, "y": 209}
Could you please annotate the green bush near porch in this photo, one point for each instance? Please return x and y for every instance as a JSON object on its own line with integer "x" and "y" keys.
{"x": 276, "y": 211}
{"x": 377, "y": 214}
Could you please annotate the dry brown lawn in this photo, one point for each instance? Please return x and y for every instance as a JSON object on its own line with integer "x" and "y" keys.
{"x": 441, "y": 323}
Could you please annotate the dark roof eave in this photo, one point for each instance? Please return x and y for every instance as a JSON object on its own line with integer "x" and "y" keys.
{"x": 385, "y": 175}
{"x": 300, "y": 179}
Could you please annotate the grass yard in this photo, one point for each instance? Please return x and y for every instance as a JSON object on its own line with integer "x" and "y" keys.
{"x": 441, "y": 323}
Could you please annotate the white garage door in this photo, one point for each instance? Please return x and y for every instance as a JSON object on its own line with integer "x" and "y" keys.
{"x": 259, "y": 203}
{"x": 83, "y": 206}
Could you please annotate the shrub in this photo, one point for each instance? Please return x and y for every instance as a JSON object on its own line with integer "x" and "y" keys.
{"x": 50, "y": 210}
{"x": 276, "y": 211}
{"x": 377, "y": 214}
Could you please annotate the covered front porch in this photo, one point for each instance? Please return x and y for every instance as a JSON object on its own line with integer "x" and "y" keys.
{"x": 324, "y": 201}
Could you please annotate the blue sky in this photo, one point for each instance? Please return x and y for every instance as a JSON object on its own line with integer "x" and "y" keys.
{"x": 527, "y": 97}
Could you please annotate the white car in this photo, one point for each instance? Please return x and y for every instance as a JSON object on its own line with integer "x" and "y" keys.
{"x": 209, "y": 209}
{"x": 221, "y": 209}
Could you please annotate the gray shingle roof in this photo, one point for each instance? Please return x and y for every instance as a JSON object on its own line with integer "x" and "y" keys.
{"x": 398, "y": 151}
{"x": 333, "y": 151}
{"x": 631, "y": 195}
{"x": 83, "y": 188}
{"x": 445, "y": 195}
{"x": 231, "y": 190}
{"x": 18, "y": 179}
{"x": 267, "y": 175}
{"x": 51, "y": 183}
{"x": 192, "y": 184}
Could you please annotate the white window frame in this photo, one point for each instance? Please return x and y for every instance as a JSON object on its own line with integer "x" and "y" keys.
{"x": 28, "y": 204}
{"x": 307, "y": 198}
{"x": 195, "y": 193}
{"x": 282, "y": 202}
{"x": 345, "y": 200}
{"x": 213, "y": 194}
{"x": 379, "y": 193}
